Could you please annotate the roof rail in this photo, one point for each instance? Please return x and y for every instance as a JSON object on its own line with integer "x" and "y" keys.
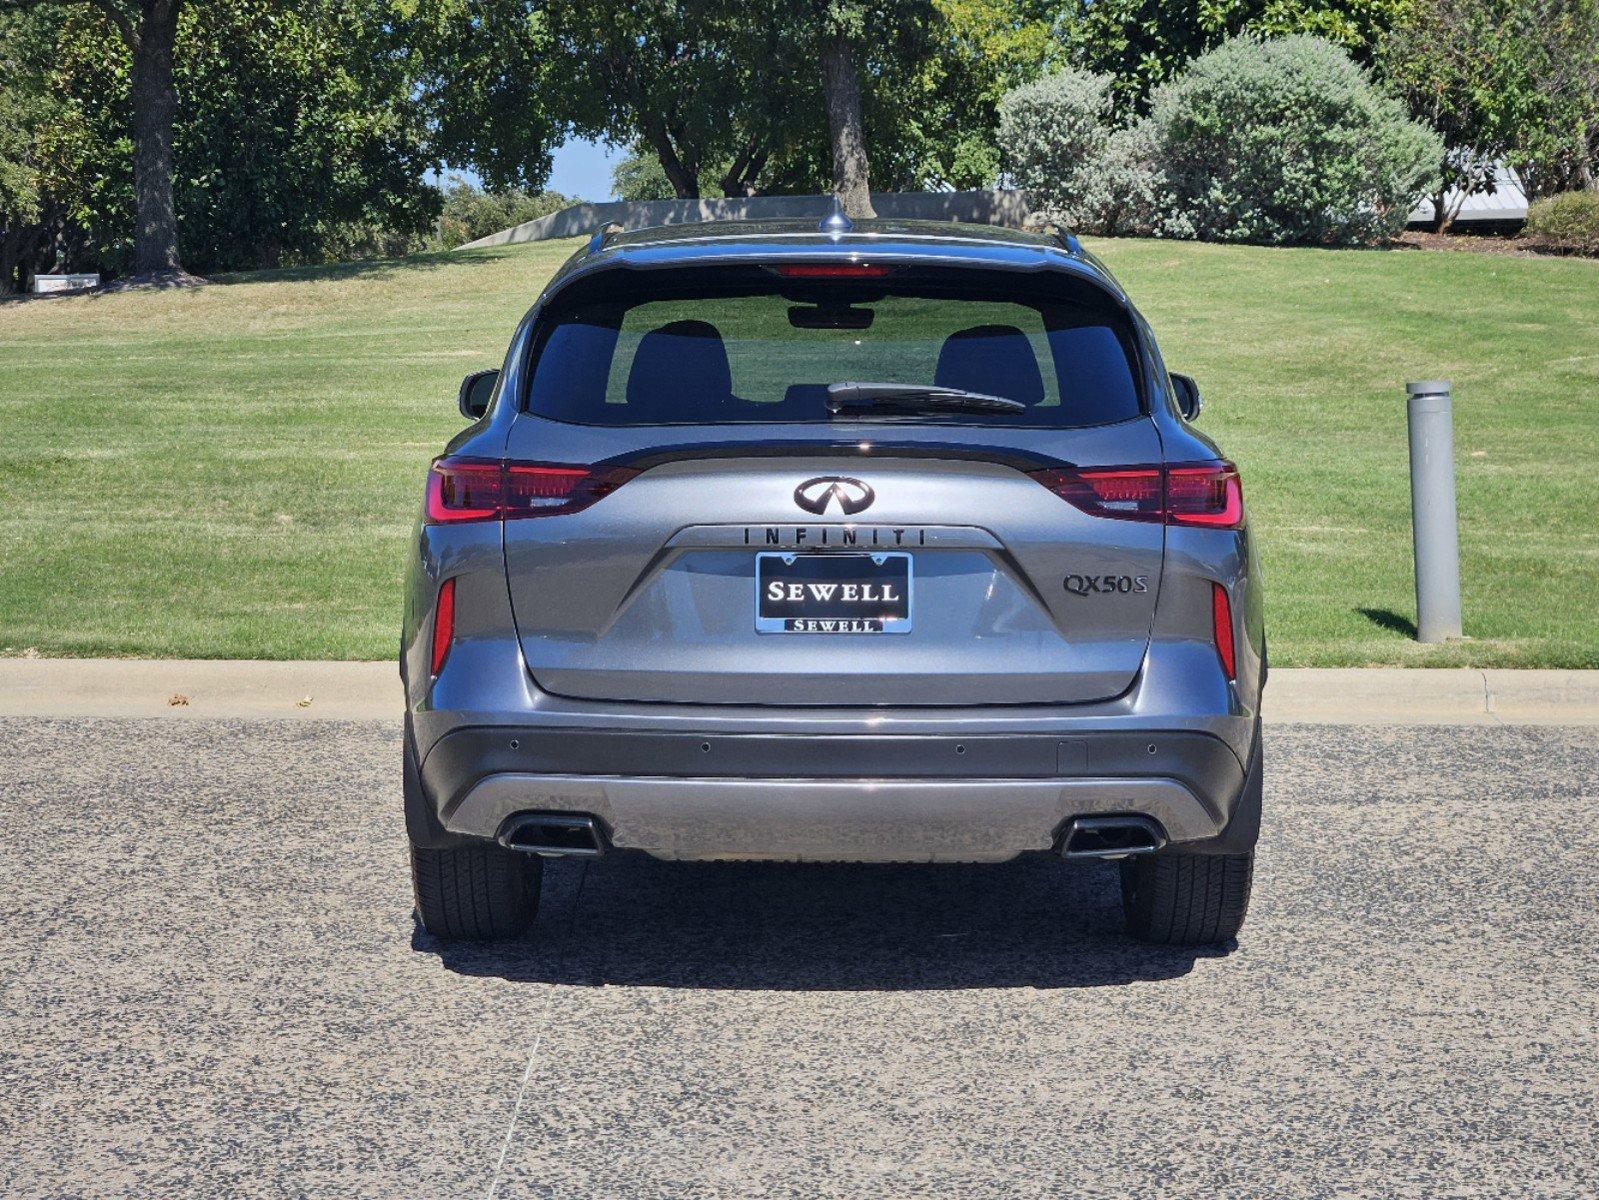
{"x": 1063, "y": 237}
{"x": 602, "y": 235}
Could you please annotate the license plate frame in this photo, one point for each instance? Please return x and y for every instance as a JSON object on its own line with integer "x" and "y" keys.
{"x": 814, "y": 615}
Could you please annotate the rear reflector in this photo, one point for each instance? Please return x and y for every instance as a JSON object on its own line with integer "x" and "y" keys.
{"x": 443, "y": 625}
{"x": 1207, "y": 494}
{"x": 1221, "y": 620}
{"x": 831, "y": 271}
{"x": 473, "y": 489}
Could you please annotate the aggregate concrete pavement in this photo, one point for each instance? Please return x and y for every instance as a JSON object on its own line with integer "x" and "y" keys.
{"x": 210, "y": 985}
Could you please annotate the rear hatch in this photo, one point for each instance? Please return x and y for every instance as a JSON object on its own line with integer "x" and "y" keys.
{"x": 721, "y": 537}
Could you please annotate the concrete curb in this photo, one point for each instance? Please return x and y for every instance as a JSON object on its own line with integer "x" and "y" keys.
{"x": 216, "y": 689}
{"x": 198, "y": 688}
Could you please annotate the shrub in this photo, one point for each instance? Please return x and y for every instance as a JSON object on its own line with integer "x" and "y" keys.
{"x": 1568, "y": 221}
{"x": 1059, "y": 145}
{"x": 1130, "y": 196}
{"x": 357, "y": 241}
{"x": 1286, "y": 141}
{"x": 470, "y": 212}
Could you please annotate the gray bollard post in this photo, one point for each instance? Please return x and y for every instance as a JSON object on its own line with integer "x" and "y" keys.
{"x": 1432, "y": 508}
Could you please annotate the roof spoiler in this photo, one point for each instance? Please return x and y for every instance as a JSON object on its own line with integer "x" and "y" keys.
{"x": 836, "y": 222}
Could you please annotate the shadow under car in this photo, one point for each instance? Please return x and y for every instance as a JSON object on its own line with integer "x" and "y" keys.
{"x": 630, "y": 920}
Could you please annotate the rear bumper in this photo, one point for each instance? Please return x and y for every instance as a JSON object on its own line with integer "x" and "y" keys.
{"x": 836, "y": 797}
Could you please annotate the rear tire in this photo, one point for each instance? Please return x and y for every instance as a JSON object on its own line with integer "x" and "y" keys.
{"x": 477, "y": 892}
{"x": 1186, "y": 899}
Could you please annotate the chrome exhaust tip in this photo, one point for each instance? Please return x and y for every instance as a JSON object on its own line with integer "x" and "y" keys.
{"x": 1112, "y": 837}
{"x": 553, "y": 835}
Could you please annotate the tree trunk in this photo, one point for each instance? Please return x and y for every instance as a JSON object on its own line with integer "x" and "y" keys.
{"x": 684, "y": 180}
{"x": 10, "y": 278}
{"x": 1443, "y": 213}
{"x": 1440, "y": 214}
{"x": 843, "y": 89}
{"x": 684, "y": 177}
{"x": 739, "y": 182}
{"x": 155, "y": 103}
{"x": 25, "y": 250}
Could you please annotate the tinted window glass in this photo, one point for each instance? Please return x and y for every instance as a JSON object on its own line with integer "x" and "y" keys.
{"x": 763, "y": 356}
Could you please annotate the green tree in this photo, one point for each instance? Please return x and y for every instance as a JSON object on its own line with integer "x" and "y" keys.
{"x": 948, "y": 137}
{"x": 296, "y": 136}
{"x": 723, "y": 102}
{"x": 931, "y": 78}
{"x": 1556, "y": 148}
{"x": 1503, "y": 80}
{"x": 696, "y": 81}
{"x": 27, "y": 108}
{"x": 148, "y": 33}
{"x": 1458, "y": 67}
{"x": 495, "y": 92}
{"x": 1142, "y": 42}
{"x": 911, "y": 88}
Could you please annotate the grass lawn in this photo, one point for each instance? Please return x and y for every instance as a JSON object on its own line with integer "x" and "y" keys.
{"x": 233, "y": 471}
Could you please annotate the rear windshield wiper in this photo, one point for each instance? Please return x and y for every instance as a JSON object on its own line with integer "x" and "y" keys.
{"x": 913, "y": 396}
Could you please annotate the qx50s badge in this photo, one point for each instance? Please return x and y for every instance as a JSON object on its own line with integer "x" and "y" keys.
{"x": 853, "y": 496}
{"x": 1083, "y": 585}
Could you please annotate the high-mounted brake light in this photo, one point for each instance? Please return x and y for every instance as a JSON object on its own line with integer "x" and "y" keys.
{"x": 831, "y": 270}
{"x": 1221, "y": 621}
{"x": 475, "y": 489}
{"x": 443, "y": 625}
{"x": 1205, "y": 494}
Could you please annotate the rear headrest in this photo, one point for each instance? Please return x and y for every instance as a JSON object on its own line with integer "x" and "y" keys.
{"x": 679, "y": 371}
{"x": 996, "y": 359}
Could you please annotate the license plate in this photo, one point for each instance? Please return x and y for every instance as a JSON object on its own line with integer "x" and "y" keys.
{"x": 832, "y": 593}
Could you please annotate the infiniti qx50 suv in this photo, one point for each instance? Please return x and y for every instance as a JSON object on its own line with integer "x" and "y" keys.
{"x": 883, "y": 543}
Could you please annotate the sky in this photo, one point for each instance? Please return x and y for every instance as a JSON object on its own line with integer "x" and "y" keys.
{"x": 583, "y": 170}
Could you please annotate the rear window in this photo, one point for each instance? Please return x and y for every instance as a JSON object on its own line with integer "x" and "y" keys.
{"x": 756, "y": 347}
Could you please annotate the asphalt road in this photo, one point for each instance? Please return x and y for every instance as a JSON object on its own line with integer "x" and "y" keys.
{"x": 210, "y": 985}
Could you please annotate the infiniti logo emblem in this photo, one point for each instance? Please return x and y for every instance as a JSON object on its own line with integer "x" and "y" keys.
{"x": 853, "y": 496}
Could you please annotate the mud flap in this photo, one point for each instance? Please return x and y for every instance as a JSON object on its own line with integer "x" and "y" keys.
{"x": 1243, "y": 827}
{"x": 422, "y": 824}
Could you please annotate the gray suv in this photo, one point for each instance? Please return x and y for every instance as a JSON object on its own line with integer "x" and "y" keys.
{"x": 878, "y": 543}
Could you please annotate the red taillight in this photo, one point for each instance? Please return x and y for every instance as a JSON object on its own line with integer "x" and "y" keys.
{"x": 463, "y": 490}
{"x": 1210, "y": 494}
{"x": 1207, "y": 494}
{"x": 1132, "y": 493}
{"x": 536, "y": 489}
{"x": 831, "y": 271}
{"x": 469, "y": 489}
{"x": 443, "y": 624}
{"x": 1221, "y": 621}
